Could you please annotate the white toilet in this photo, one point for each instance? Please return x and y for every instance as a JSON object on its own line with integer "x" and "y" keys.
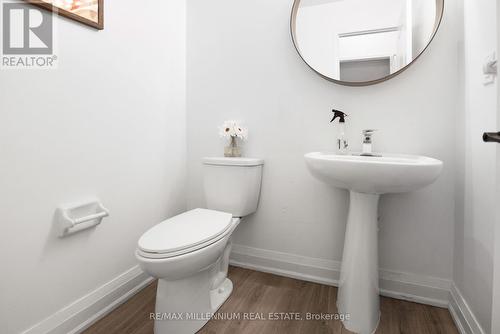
{"x": 189, "y": 253}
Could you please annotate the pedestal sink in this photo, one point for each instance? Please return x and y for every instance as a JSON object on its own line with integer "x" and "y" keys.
{"x": 367, "y": 177}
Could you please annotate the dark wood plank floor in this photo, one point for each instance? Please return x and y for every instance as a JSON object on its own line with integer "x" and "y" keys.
{"x": 259, "y": 292}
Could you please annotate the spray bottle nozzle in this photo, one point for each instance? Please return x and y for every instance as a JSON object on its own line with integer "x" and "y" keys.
{"x": 340, "y": 115}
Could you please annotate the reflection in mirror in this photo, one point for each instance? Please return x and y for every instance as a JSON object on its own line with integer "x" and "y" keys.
{"x": 361, "y": 42}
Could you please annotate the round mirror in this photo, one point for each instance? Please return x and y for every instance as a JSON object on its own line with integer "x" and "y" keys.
{"x": 363, "y": 42}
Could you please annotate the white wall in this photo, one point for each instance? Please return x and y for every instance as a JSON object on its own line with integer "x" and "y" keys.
{"x": 109, "y": 122}
{"x": 495, "y": 323}
{"x": 242, "y": 65}
{"x": 476, "y": 201}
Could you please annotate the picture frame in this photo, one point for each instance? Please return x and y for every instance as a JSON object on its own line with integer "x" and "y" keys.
{"x": 90, "y": 12}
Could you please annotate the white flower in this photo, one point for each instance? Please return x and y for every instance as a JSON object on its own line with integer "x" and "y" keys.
{"x": 233, "y": 129}
{"x": 227, "y": 129}
{"x": 241, "y": 132}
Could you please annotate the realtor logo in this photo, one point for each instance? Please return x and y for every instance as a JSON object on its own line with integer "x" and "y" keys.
{"x": 27, "y": 37}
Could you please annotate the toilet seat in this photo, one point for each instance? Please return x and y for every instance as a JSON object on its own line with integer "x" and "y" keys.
{"x": 185, "y": 233}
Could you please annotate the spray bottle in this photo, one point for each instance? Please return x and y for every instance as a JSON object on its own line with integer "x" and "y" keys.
{"x": 342, "y": 143}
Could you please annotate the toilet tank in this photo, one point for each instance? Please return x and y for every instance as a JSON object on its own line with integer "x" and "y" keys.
{"x": 232, "y": 185}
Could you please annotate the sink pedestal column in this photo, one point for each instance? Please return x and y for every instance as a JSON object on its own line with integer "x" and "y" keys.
{"x": 358, "y": 295}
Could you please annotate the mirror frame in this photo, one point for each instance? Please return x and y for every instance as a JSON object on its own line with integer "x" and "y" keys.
{"x": 293, "y": 17}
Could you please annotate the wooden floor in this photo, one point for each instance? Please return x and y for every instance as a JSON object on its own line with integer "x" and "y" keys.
{"x": 264, "y": 293}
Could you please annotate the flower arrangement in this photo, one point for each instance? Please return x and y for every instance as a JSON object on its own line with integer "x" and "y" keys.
{"x": 233, "y": 130}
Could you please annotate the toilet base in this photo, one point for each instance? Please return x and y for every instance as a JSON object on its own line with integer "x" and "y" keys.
{"x": 219, "y": 295}
{"x": 185, "y": 303}
{"x": 183, "y": 309}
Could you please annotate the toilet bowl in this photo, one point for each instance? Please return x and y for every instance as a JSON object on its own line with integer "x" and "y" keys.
{"x": 189, "y": 253}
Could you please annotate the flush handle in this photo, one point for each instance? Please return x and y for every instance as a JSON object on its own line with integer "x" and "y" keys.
{"x": 491, "y": 137}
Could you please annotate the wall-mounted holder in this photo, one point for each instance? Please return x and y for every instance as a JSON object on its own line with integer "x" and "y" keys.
{"x": 490, "y": 69}
{"x": 79, "y": 216}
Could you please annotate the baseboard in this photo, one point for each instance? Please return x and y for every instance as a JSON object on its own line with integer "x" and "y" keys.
{"x": 462, "y": 314}
{"x": 81, "y": 314}
{"x": 421, "y": 289}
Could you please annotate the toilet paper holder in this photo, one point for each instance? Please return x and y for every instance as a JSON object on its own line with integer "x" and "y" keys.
{"x": 72, "y": 218}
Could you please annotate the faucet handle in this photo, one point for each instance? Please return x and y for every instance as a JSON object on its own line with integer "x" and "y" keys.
{"x": 368, "y": 132}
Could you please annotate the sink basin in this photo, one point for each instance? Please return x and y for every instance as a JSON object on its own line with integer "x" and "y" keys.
{"x": 388, "y": 173}
{"x": 367, "y": 178}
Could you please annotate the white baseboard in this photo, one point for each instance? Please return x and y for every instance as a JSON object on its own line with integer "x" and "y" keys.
{"x": 462, "y": 314}
{"x": 82, "y": 313}
{"x": 416, "y": 288}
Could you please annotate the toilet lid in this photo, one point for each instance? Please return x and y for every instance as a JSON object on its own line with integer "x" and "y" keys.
{"x": 184, "y": 231}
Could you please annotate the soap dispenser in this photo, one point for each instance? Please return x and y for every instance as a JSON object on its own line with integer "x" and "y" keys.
{"x": 342, "y": 143}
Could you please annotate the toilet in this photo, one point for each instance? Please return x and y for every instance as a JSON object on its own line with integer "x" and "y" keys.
{"x": 189, "y": 253}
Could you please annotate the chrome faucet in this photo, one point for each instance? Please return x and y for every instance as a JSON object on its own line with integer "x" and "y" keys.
{"x": 367, "y": 142}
